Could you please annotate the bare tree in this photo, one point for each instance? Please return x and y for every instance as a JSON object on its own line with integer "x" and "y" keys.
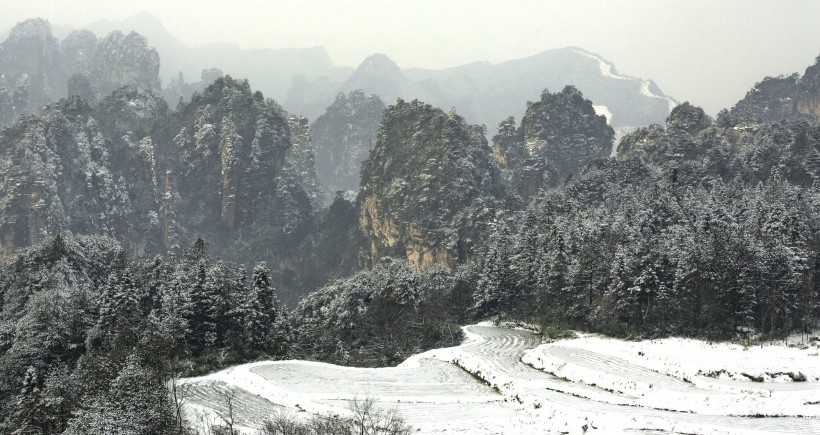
{"x": 367, "y": 419}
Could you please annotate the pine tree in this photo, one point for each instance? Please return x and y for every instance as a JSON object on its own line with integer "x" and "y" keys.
{"x": 120, "y": 312}
{"x": 495, "y": 282}
{"x": 557, "y": 279}
{"x": 176, "y": 308}
{"x": 263, "y": 311}
{"x": 204, "y": 297}
{"x": 526, "y": 262}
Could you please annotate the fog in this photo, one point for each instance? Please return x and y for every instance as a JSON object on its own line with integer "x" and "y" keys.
{"x": 703, "y": 51}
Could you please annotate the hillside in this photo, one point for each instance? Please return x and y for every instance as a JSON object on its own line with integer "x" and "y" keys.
{"x": 220, "y": 168}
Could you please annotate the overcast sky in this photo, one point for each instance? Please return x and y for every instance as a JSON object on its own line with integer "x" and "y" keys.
{"x": 707, "y": 51}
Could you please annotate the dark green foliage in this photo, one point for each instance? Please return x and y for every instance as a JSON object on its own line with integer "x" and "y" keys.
{"x": 156, "y": 180}
{"x": 376, "y": 317}
{"x": 264, "y": 320}
{"x": 779, "y": 98}
{"x": 695, "y": 229}
{"x": 90, "y": 338}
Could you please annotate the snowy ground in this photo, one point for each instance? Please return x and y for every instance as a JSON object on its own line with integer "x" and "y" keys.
{"x": 504, "y": 380}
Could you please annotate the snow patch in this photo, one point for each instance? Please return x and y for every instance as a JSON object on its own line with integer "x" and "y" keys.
{"x": 608, "y": 70}
{"x": 600, "y": 109}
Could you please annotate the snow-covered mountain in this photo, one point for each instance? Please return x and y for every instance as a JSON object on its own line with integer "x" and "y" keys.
{"x": 306, "y": 82}
{"x": 486, "y": 93}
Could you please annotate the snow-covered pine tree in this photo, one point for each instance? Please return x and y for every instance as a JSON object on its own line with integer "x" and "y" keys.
{"x": 120, "y": 312}
{"x": 262, "y": 311}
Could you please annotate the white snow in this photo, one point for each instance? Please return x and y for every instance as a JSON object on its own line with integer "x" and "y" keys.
{"x": 608, "y": 71}
{"x": 600, "y": 109}
{"x": 504, "y": 380}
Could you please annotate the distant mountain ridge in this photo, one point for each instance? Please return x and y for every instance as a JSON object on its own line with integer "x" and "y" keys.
{"x": 488, "y": 93}
{"x": 306, "y": 82}
{"x": 271, "y": 70}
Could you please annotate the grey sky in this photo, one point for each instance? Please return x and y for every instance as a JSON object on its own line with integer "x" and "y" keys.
{"x": 707, "y": 51}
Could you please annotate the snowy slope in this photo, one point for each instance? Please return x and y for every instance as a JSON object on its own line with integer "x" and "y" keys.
{"x": 503, "y": 380}
{"x": 607, "y": 70}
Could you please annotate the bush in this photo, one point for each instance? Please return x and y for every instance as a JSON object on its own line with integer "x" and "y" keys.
{"x": 365, "y": 419}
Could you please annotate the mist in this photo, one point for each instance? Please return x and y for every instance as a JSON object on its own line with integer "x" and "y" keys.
{"x": 706, "y": 52}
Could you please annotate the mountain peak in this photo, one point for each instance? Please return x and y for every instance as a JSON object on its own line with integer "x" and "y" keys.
{"x": 378, "y": 64}
{"x": 142, "y": 21}
{"x": 31, "y": 27}
{"x": 147, "y": 18}
{"x": 379, "y": 75}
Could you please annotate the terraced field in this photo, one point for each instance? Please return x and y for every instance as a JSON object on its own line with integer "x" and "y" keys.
{"x": 503, "y": 380}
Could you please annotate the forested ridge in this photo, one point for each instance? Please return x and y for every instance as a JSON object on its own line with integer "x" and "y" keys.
{"x": 125, "y": 226}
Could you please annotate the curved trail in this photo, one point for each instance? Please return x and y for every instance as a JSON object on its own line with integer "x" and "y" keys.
{"x": 481, "y": 386}
{"x": 505, "y": 347}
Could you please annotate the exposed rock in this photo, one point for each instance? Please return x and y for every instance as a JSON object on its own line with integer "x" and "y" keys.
{"x": 123, "y": 60}
{"x": 304, "y": 159}
{"x": 780, "y": 98}
{"x": 559, "y": 135}
{"x": 219, "y": 168}
{"x": 430, "y": 188}
{"x": 231, "y": 175}
{"x": 67, "y": 172}
{"x": 31, "y": 61}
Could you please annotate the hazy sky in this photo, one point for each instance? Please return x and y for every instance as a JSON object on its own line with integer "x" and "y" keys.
{"x": 707, "y": 51}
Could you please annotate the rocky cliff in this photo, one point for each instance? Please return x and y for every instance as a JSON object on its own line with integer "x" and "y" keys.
{"x": 430, "y": 189}
{"x": 238, "y": 188}
{"x": 219, "y": 168}
{"x": 74, "y": 169}
{"x": 775, "y": 99}
{"x": 304, "y": 159}
{"x": 559, "y": 135}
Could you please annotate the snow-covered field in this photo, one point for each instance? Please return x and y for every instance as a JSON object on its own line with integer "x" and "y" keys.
{"x": 504, "y": 380}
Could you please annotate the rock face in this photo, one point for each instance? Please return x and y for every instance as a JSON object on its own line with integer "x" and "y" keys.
{"x": 36, "y": 69}
{"x": 219, "y": 168}
{"x": 304, "y": 160}
{"x": 342, "y": 139}
{"x": 781, "y": 98}
{"x": 430, "y": 188}
{"x": 74, "y": 169}
{"x": 237, "y": 187}
{"x": 122, "y": 60}
{"x": 559, "y": 135}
